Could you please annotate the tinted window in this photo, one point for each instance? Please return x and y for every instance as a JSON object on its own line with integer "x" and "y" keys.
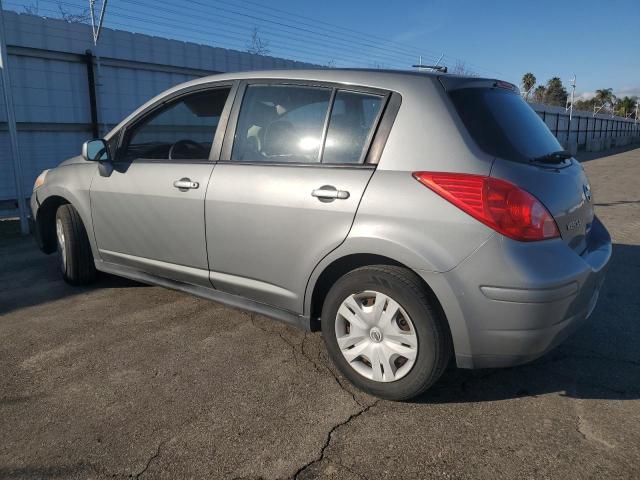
{"x": 182, "y": 130}
{"x": 502, "y": 124}
{"x": 281, "y": 123}
{"x": 352, "y": 118}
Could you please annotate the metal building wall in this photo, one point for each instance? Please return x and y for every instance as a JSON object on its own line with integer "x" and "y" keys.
{"x": 584, "y": 126}
{"x": 51, "y": 92}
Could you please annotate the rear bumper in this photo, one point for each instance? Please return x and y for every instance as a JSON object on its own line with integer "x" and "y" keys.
{"x": 511, "y": 302}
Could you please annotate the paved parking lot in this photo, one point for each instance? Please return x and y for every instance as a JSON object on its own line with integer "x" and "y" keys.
{"x": 126, "y": 380}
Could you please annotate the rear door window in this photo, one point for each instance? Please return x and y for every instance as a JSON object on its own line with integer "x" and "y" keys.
{"x": 503, "y": 124}
{"x": 281, "y": 123}
{"x": 352, "y": 119}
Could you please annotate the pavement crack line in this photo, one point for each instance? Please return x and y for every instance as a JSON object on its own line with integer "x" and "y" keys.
{"x": 318, "y": 366}
{"x": 161, "y": 444}
{"x": 151, "y": 459}
{"x": 322, "y": 454}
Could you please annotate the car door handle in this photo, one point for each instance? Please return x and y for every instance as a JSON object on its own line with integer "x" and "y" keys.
{"x": 329, "y": 192}
{"x": 185, "y": 184}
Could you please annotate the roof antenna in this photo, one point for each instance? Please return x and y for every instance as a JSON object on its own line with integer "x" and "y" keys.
{"x": 436, "y": 67}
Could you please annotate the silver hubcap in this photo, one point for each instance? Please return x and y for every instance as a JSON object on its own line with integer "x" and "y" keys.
{"x": 60, "y": 235}
{"x": 376, "y": 336}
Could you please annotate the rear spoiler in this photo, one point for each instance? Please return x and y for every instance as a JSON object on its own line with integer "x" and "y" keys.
{"x": 451, "y": 83}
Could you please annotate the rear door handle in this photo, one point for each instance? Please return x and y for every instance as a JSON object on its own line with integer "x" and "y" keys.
{"x": 329, "y": 192}
{"x": 185, "y": 184}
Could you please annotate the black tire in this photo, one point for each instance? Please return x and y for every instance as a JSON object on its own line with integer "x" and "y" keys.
{"x": 76, "y": 264}
{"x": 434, "y": 339}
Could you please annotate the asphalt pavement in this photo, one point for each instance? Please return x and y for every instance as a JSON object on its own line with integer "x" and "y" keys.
{"x": 126, "y": 380}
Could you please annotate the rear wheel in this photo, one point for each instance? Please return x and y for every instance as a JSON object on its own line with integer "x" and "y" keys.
{"x": 74, "y": 250}
{"x": 383, "y": 333}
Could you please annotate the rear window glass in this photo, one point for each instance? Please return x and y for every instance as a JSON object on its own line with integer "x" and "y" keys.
{"x": 502, "y": 124}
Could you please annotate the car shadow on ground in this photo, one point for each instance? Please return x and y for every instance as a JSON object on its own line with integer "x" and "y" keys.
{"x": 29, "y": 277}
{"x": 600, "y": 361}
{"x": 49, "y": 287}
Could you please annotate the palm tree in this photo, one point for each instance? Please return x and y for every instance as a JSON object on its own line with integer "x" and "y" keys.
{"x": 539, "y": 94}
{"x": 625, "y": 105}
{"x": 528, "y": 81}
{"x": 605, "y": 97}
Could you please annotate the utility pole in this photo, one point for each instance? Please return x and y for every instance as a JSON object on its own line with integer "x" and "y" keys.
{"x": 11, "y": 123}
{"x": 569, "y": 106}
{"x": 96, "y": 28}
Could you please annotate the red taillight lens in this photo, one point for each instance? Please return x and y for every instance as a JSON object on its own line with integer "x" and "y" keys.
{"x": 497, "y": 203}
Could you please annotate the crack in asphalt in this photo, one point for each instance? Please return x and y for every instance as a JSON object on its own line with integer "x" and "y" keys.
{"x": 319, "y": 366}
{"x": 322, "y": 454}
{"x": 151, "y": 459}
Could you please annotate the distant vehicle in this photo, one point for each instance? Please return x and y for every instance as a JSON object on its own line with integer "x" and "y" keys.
{"x": 410, "y": 216}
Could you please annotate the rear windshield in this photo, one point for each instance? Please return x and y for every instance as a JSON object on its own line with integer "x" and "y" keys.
{"x": 502, "y": 124}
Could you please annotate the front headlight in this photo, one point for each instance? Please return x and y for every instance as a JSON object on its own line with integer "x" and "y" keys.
{"x": 40, "y": 179}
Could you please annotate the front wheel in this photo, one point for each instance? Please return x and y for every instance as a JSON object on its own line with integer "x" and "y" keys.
{"x": 383, "y": 332}
{"x": 74, "y": 250}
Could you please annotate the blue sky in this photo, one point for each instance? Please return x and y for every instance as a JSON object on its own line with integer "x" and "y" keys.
{"x": 597, "y": 41}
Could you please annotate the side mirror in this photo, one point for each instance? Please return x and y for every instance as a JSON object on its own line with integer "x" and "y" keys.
{"x": 96, "y": 151}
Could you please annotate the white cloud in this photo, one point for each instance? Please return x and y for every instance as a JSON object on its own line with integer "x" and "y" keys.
{"x": 628, "y": 91}
{"x": 623, "y": 92}
{"x": 585, "y": 96}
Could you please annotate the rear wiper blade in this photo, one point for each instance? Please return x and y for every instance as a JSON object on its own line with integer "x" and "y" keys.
{"x": 553, "y": 157}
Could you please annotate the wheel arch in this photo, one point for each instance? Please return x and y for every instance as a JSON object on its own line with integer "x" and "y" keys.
{"x": 56, "y": 193}
{"x": 344, "y": 264}
{"x": 45, "y": 219}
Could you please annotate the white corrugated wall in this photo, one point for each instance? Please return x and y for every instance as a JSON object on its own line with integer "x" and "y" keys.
{"x": 50, "y": 85}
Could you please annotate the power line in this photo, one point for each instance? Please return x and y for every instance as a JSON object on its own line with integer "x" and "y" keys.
{"x": 145, "y": 28}
{"x": 144, "y": 23}
{"x": 293, "y": 27}
{"x": 276, "y": 34}
{"x": 415, "y": 51}
{"x": 281, "y": 34}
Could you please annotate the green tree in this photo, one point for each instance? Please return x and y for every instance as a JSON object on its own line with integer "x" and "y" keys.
{"x": 605, "y": 97}
{"x": 586, "y": 105}
{"x": 555, "y": 94}
{"x": 539, "y": 94}
{"x": 528, "y": 81}
{"x": 625, "y": 106}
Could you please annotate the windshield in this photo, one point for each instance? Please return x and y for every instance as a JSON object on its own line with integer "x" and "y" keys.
{"x": 503, "y": 125}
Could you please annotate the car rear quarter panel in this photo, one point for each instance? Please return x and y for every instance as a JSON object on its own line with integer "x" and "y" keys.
{"x": 401, "y": 219}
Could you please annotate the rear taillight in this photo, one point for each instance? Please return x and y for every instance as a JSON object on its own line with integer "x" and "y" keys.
{"x": 501, "y": 205}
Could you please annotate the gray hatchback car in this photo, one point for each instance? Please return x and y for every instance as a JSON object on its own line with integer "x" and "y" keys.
{"x": 411, "y": 217}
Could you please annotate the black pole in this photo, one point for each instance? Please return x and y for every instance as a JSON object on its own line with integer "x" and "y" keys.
{"x": 578, "y": 135}
{"x": 93, "y": 104}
